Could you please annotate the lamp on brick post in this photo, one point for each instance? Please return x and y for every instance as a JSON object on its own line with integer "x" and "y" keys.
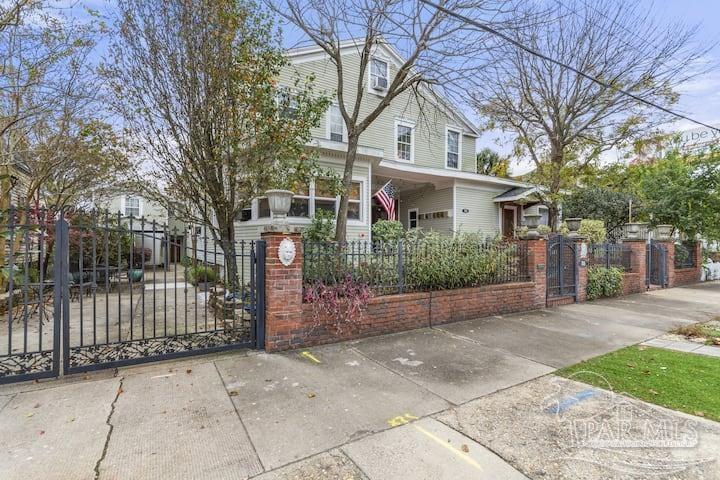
{"x": 283, "y": 276}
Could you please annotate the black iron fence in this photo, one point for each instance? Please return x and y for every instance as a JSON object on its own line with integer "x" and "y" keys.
{"x": 610, "y": 255}
{"x": 685, "y": 254}
{"x": 90, "y": 290}
{"x": 397, "y": 267}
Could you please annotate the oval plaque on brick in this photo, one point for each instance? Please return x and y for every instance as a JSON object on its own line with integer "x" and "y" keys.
{"x": 286, "y": 252}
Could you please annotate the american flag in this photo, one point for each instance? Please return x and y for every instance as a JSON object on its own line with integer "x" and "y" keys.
{"x": 386, "y": 197}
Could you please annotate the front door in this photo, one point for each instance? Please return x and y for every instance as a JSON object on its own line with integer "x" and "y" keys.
{"x": 508, "y": 221}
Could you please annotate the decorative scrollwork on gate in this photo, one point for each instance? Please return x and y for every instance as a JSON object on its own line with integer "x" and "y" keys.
{"x": 26, "y": 363}
{"x": 156, "y": 347}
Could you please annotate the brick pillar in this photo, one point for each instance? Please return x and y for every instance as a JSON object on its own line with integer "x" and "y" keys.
{"x": 581, "y": 247}
{"x": 537, "y": 269}
{"x": 638, "y": 266}
{"x": 283, "y": 294}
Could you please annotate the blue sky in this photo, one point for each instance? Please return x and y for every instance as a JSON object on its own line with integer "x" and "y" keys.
{"x": 699, "y": 99}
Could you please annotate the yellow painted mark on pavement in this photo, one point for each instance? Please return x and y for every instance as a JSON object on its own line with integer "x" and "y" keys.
{"x": 401, "y": 420}
{"x": 458, "y": 453}
{"x": 310, "y": 356}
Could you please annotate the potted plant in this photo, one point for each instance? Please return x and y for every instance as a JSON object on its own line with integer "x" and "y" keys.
{"x": 573, "y": 224}
{"x": 279, "y": 202}
{"x": 532, "y": 220}
{"x": 202, "y": 276}
{"x": 140, "y": 255}
{"x": 663, "y": 232}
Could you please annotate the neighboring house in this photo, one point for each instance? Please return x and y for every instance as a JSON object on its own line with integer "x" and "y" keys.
{"x": 153, "y": 225}
{"x": 428, "y": 157}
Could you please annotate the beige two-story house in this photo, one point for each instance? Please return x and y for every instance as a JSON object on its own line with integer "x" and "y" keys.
{"x": 425, "y": 148}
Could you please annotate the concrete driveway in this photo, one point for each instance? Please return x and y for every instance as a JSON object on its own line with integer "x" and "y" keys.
{"x": 413, "y": 405}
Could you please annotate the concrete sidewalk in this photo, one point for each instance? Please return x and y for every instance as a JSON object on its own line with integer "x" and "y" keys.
{"x": 370, "y": 409}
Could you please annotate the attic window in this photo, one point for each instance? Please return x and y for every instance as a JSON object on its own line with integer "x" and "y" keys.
{"x": 378, "y": 74}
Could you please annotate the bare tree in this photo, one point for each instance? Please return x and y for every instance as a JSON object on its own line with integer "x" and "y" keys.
{"x": 196, "y": 83}
{"x": 438, "y": 52}
{"x": 562, "y": 120}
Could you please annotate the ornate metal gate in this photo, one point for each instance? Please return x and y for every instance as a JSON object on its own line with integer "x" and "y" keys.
{"x": 656, "y": 264}
{"x": 116, "y": 299}
{"x": 562, "y": 268}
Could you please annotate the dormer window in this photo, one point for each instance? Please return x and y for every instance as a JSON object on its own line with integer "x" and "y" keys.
{"x": 379, "y": 78}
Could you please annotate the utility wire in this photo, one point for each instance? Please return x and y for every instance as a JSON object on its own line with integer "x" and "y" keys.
{"x": 531, "y": 51}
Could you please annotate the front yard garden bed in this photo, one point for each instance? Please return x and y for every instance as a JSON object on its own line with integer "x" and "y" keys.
{"x": 681, "y": 381}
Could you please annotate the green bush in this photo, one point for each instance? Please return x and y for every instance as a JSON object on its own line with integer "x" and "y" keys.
{"x": 465, "y": 260}
{"x": 321, "y": 229}
{"x": 201, "y": 274}
{"x": 387, "y": 231}
{"x": 604, "y": 282}
{"x": 593, "y": 230}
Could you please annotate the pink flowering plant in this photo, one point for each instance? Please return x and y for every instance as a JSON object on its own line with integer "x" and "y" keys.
{"x": 337, "y": 304}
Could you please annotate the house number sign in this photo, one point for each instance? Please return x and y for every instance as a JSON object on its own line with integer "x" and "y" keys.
{"x": 286, "y": 252}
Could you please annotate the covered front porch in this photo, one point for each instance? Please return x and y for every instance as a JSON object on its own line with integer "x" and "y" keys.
{"x": 450, "y": 201}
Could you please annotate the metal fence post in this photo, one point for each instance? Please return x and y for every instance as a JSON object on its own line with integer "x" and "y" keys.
{"x": 400, "y": 267}
{"x": 260, "y": 296}
{"x": 61, "y": 302}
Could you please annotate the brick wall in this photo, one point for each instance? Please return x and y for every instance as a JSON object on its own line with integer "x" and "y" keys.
{"x": 292, "y": 324}
{"x": 634, "y": 281}
{"x": 684, "y": 276}
{"x": 407, "y": 311}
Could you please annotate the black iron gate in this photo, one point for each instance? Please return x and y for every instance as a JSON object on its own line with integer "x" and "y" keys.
{"x": 656, "y": 264}
{"x": 109, "y": 296}
{"x": 562, "y": 267}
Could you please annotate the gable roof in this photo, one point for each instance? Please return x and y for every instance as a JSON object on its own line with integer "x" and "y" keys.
{"x": 315, "y": 52}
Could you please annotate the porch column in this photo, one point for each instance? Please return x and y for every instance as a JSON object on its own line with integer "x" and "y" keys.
{"x": 283, "y": 290}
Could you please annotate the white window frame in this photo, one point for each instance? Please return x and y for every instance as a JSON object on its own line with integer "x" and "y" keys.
{"x": 328, "y": 130}
{"x": 370, "y": 75}
{"x": 125, "y": 205}
{"x": 411, "y": 125}
{"x": 364, "y": 195}
{"x": 417, "y": 218}
{"x": 457, "y": 130}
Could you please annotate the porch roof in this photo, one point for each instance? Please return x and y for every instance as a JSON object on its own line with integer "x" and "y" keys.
{"x": 408, "y": 171}
{"x": 516, "y": 193}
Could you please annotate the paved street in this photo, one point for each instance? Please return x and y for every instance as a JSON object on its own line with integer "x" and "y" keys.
{"x": 467, "y": 400}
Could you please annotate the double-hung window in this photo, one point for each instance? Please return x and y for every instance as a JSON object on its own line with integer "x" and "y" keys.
{"x": 378, "y": 75}
{"x": 336, "y": 124}
{"x": 354, "y": 202}
{"x": 132, "y": 206}
{"x": 287, "y": 104}
{"x": 452, "y": 149}
{"x": 325, "y": 199}
{"x": 404, "y": 142}
{"x": 319, "y": 198}
{"x": 300, "y": 205}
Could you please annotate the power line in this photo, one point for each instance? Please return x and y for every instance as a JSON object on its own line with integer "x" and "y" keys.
{"x": 536, "y": 53}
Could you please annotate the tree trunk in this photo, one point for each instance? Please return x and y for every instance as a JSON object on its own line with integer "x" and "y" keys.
{"x": 227, "y": 244}
{"x": 341, "y": 223}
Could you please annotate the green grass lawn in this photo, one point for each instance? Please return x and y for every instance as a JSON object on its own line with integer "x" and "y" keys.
{"x": 680, "y": 381}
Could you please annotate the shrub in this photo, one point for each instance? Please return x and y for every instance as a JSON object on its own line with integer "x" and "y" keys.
{"x": 140, "y": 257}
{"x": 544, "y": 229}
{"x": 593, "y": 230}
{"x": 337, "y": 304}
{"x": 465, "y": 260}
{"x": 387, "y": 231}
{"x": 604, "y": 282}
{"x": 321, "y": 229}
{"x": 201, "y": 274}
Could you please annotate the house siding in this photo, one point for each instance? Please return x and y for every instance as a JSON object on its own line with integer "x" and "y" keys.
{"x": 429, "y": 200}
{"x": 483, "y": 214}
{"x": 430, "y": 120}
